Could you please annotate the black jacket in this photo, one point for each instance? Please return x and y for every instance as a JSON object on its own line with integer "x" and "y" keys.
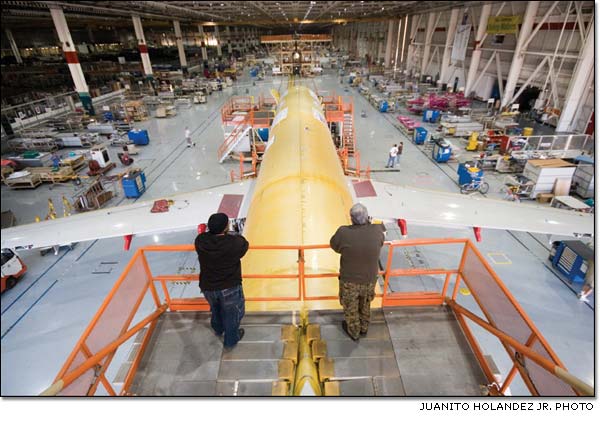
{"x": 219, "y": 257}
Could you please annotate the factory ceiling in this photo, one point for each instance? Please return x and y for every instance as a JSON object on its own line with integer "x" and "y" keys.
{"x": 294, "y": 14}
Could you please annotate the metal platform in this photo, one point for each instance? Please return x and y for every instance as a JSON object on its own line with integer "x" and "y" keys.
{"x": 418, "y": 351}
{"x": 185, "y": 358}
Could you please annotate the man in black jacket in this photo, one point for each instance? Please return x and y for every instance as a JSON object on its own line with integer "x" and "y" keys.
{"x": 219, "y": 254}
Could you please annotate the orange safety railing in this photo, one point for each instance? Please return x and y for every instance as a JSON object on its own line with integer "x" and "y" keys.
{"x": 347, "y": 166}
{"x": 261, "y": 118}
{"x": 266, "y": 102}
{"x": 236, "y": 104}
{"x": 532, "y": 357}
{"x": 327, "y": 97}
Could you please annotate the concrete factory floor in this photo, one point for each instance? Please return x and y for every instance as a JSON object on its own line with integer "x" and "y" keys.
{"x": 45, "y": 314}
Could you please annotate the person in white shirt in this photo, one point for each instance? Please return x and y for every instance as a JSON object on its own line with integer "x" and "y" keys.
{"x": 188, "y": 137}
{"x": 392, "y": 156}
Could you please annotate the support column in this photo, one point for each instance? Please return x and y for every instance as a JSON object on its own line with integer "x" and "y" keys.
{"x": 13, "y": 46}
{"x": 345, "y": 38}
{"x": 410, "y": 57}
{"x": 397, "y": 45}
{"x": 388, "y": 45}
{"x": 450, "y": 31}
{"x": 91, "y": 35}
{"x": 427, "y": 47}
{"x": 378, "y": 42}
{"x": 476, "y": 55}
{"x": 350, "y": 40}
{"x": 203, "y": 43}
{"x": 228, "y": 33}
{"x": 180, "y": 49}
{"x": 403, "y": 48}
{"x": 219, "y": 52}
{"x": 141, "y": 40}
{"x": 519, "y": 57}
{"x": 578, "y": 85}
{"x": 62, "y": 29}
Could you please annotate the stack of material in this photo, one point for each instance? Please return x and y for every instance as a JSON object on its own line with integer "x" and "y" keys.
{"x": 36, "y": 144}
{"x": 583, "y": 179}
{"x": 407, "y": 125}
{"x": 548, "y": 174}
{"x": 74, "y": 162}
{"x": 136, "y": 110}
{"x": 459, "y": 126}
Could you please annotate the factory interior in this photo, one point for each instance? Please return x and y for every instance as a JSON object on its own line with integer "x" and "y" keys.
{"x": 466, "y": 128}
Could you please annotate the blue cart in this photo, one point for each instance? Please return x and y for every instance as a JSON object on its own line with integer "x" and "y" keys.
{"x": 420, "y": 135}
{"x": 442, "y": 151}
{"x": 138, "y": 136}
{"x": 134, "y": 184}
{"x": 431, "y": 116}
{"x": 570, "y": 258}
{"x": 466, "y": 175}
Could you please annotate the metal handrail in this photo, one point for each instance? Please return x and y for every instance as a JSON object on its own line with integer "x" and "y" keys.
{"x": 552, "y": 365}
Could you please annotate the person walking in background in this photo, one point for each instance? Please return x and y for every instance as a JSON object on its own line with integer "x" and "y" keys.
{"x": 392, "y": 156}
{"x": 219, "y": 254}
{"x": 399, "y": 153}
{"x": 188, "y": 137}
{"x": 359, "y": 245}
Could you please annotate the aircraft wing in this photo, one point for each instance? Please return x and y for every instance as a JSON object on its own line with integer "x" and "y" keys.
{"x": 185, "y": 212}
{"x": 435, "y": 208}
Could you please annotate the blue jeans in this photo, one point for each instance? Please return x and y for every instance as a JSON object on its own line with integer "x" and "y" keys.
{"x": 227, "y": 308}
{"x": 391, "y": 162}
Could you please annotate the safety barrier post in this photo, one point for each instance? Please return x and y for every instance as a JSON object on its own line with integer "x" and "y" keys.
{"x": 461, "y": 267}
{"x": 241, "y": 166}
{"x": 301, "y": 272}
{"x": 149, "y": 275}
{"x": 446, "y": 283}
{"x": 388, "y": 268}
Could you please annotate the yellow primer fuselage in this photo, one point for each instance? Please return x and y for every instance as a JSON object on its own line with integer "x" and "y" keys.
{"x": 301, "y": 198}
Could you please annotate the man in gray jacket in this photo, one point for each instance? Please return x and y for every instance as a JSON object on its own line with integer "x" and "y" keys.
{"x": 360, "y": 245}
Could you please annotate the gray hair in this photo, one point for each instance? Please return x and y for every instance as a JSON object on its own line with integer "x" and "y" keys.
{"x": 359, "y": 214}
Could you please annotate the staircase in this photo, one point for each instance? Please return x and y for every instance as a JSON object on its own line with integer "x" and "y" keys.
{"x": 238, "y": 133}
{"x": 348, "y": 134}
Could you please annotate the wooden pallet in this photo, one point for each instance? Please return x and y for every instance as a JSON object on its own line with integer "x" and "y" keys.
{"x": 28, "y": 181}
{"x": 47, "y": 174}
{"x": 74, "y": 163}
